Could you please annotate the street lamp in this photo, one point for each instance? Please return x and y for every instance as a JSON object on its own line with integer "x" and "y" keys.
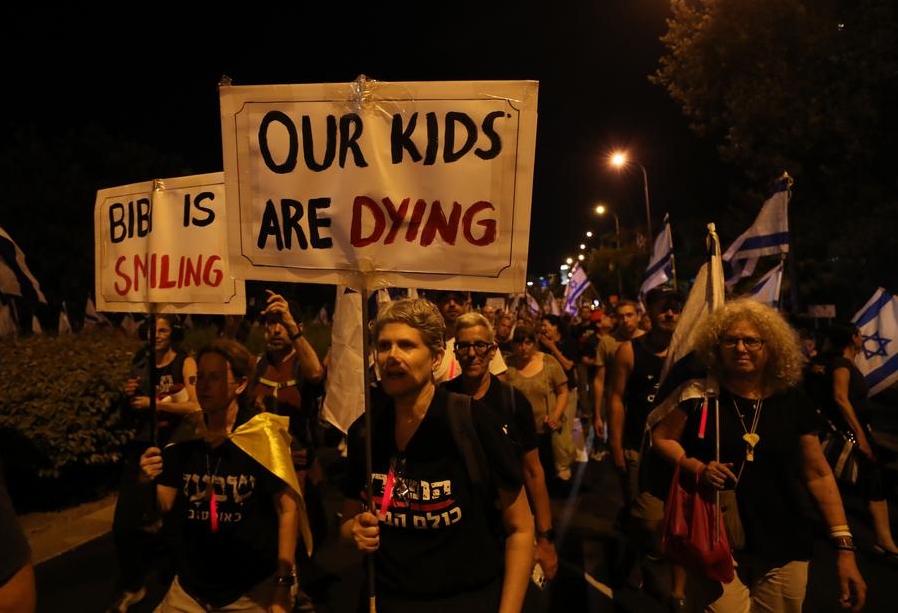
{"x": 601, "y": 209}
{"x": 619, "y": 160}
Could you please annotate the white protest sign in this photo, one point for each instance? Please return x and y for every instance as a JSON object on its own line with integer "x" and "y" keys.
{"x": 161, "y": 246}
{"x": 374, "y": 184}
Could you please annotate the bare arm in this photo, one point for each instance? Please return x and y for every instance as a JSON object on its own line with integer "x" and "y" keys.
{"x": 286, "y": 503}
{"x": 19, "y": 593}
{"x": 552, "y": 349}
{"x": 598, "y": 386}
{"x": 666, "y": 437}
{"x": 841, "y": 378}
{"x": 187, "y": 407}
{"x": 620, "y": 373}
{"x": 535, "y": 483}
{"x": 150, "y": 468}
{"x": 518, "y": 549}
{"x": 309, "y": 364}
{"x": 822, "y": 485}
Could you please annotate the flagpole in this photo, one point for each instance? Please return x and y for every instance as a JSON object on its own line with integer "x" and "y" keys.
{"x": 793, "y": 272}
{"x": 369, "y": 462}
{"x": 153, "y": 374}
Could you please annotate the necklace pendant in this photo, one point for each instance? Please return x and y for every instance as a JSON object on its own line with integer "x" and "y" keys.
{"x": 751, "y": 439}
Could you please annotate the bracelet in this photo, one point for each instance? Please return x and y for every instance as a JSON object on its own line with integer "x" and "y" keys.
{"x": 549, "y": 534}
{"x": 286, "y": 580}
{"x": 843, "y": 543}
{"x": 297, "y": 335}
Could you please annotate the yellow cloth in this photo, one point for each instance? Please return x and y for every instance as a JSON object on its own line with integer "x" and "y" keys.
{"x": 266, "y": 439}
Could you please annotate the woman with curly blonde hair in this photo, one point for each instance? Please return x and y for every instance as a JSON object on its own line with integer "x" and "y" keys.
{"x": 769, "y": 452}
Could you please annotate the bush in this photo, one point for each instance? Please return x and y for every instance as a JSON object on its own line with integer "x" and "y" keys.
{"x": 61, "y": 431}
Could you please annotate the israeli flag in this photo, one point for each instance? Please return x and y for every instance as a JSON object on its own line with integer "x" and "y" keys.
{"x": 878, "y": 322}
{"x": 767, "y": 288}
{"x": 768, "y": 235}
{"x": 660, "y": 269}
{"x": 576, "y": 284}
{"x": 15, "y": 277}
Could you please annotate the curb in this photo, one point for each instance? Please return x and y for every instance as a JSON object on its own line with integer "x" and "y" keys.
{"x": 51, "y": 534}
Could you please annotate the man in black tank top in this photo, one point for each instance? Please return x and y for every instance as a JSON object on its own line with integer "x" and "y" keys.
{"x": 635, "y": 377}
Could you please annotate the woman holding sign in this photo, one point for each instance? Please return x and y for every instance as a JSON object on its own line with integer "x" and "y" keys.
{"x": 430, "y": 527}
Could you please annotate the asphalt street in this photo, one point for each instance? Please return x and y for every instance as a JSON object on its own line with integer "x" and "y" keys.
{"x": 80, "y": 579}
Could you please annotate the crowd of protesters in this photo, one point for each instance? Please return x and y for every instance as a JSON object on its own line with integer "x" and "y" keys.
{"x": 548, "y": 391}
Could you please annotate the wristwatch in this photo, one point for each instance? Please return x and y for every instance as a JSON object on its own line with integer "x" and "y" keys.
{"x": 549, "y": 534}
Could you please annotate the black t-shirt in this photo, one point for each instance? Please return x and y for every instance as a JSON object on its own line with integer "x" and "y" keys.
{"x": 773, "y": 501}
{"x": 511, "y": 407}
{"x": 219, "y": 567}
{"x": 433, "y": 540}
{"x": 169, "y": 380}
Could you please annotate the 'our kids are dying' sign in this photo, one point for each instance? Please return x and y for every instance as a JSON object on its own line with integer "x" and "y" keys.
{"x": 381, "y": 183}
{"x": 161, "y": 246}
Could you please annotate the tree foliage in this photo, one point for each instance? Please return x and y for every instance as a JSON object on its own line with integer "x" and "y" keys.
{"x": 808, "y": 87}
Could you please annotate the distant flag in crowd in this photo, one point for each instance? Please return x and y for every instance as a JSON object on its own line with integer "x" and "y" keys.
{"x": 681, "y": 376}
{"x": 323, "y": 317}
{"x": 91, "y": 317}
{"x": 552, "y": 306}
{"x": 344, "y": 398}
{"x": 767, "y": 288}
{"x": 130, "y": 326}
{"x": 576, "y": 285}
{"x": 65, "y": 326}
{"x": 878, "y": 322}
{"x": 660, "y": 269}
{"x": 15, "y": 277}
{"x": 768, "y": 235}
{"x": 532, "y": 304}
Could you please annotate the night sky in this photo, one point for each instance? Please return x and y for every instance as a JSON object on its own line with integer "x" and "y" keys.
{"x": 151, "y": 75}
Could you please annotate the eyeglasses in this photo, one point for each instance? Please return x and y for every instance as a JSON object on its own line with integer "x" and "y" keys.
{"x": 750, "y": 343}
{"x": 480, "y": 348}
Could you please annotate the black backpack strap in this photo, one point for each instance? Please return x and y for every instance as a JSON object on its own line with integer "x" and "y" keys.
{"x": 466, "y": 440}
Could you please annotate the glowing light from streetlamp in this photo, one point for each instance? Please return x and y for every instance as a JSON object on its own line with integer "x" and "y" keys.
{"x": 618, "y": 159}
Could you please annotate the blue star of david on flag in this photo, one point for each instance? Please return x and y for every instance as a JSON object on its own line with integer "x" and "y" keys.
{"x": 880, "y": 342}
{"x": 878, "y": 322}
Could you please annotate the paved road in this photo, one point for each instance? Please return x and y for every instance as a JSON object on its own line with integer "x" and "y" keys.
{"x": 81, "y": 580}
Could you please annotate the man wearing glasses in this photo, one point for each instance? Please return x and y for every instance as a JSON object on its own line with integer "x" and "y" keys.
{"x": 452, "y": 305}
{"x": 475, "y": 346}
